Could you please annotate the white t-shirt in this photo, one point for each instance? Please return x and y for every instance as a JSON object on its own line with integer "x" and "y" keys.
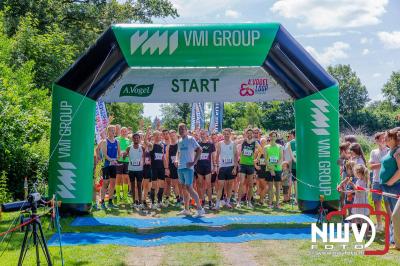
{"x": 376, "y": 156}
{"x": 186, "y": 148}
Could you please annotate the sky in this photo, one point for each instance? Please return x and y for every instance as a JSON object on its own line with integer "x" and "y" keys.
{"x": 362, "y": 33}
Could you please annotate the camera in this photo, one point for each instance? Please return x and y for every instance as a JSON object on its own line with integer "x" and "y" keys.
{"x": 33, "y": 200}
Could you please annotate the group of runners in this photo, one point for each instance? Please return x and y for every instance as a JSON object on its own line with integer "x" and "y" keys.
{"x": 194, "y": 168}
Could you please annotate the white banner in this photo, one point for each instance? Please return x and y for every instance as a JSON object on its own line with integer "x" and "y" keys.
{"x": 178, "y": 85}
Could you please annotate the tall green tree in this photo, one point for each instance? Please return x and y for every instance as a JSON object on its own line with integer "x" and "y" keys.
{"x": 174, "y": 113}
{"x": 126, "y": 114}
{"x": 353, "y": 95}
{"x": 391, "y": 89}
{"x": 277, "y": 115}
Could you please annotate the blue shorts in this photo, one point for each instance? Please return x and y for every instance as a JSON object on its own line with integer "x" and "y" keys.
{"x": 395, "y": 189}
{"x": 376, "y": 197}
{"x": 186, "y": 176}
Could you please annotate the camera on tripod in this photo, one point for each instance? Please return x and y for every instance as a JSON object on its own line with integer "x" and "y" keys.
{"x": 33, "y": 201}
{"x": 33, "y": 227}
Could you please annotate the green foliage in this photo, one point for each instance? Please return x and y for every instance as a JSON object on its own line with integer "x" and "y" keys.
{"x": 173, "y": 114}
{"x": 278, "y": 115}
{"x": 391, "y": 89}
{"x": 353, "y": 95}
{"x": 4, "y": 193}
{"x": 126, "y": 114}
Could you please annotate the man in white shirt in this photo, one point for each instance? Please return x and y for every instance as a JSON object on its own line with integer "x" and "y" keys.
{"x": 375, "y": 165}
{"x": 188, "y": 154}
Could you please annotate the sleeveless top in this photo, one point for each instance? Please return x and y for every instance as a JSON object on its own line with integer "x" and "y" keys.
{"x": 123, "y": 144}
{"x": 135, "y": 158}
{"x": 273, "y": 156}
{"x": 157, "y": 155}
{"x": 112, "y": 151}
{"x": 172, "y": 155}
{"x": 226, "y": 155}
{"x": 247, "y": 153}
{"x": 147, "y": 157}
{"x": 205, "y": 157}
{"x": 388, "y": 167}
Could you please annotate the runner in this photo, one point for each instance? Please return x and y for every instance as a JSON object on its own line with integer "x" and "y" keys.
{"x": 147, "y": 175}
{"x": 157, "y": 168}
{"x": 273, "y": 159}
{"x": 165, "y": 141}
{"x": 214, "y": 140}
{"x": 204, "y": 167}
{"x": 249, "y": 150}
{"x": 136, "y": 153}
{"x": 187, "y": 156}
{"x": 261, "y": 178}
{"x": 110, "y": 149}
{"x": 170, "y": 169}
{"x": 227, "y": 168}
{"x": 122, "y": 168}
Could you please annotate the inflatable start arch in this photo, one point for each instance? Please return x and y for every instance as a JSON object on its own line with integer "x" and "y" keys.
{"x": 195, "y": 63}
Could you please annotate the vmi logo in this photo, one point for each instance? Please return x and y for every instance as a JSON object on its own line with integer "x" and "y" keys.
{"x": 320, "y": 120}
{"x": 154, "y": 42}
{"x": 67, "y": 181}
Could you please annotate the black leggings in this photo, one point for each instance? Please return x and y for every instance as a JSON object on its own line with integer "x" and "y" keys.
{"x": 138, "y": 176}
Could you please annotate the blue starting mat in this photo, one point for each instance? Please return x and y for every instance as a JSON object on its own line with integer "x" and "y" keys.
{"x": 188, "y": 220}
{"x": 148, "y": 240}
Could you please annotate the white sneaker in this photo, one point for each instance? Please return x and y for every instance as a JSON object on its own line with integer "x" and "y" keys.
{"x": 249, "y": 205}
{"x": 379, "y": 227}
{"x": 228, "y": 205}
{"x": 217, "y": 205}
{"x": 238, "y": 205}
{"x": 222, "y": 203}
{"x": 154, "y": 206}
{"x": 200, "y": 213}
{"x": 184, "y": 212}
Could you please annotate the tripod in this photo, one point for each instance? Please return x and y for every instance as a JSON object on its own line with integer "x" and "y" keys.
{"x": 322, "y": 212}
{"x": 37, "y": 239}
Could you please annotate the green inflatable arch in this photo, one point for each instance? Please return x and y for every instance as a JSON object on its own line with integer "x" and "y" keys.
{"x": 195, "y": 63}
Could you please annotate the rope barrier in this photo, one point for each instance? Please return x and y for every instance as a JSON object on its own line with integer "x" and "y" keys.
{"x": 18, "y": 226}
{"x": 375, "y": 191}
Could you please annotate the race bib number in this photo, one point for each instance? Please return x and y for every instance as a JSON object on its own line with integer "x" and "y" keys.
{"x": 158, "y": 156}
{"x": 135, "y": 163}
{"x": 227, "y": 160}
{"x": 147, "y": 160}
{"x": 262, "y": 161}
{"x": 247, "y": 152}
{"x": 273, "y": 159}
{"x": 204, "y": 156}
{"x": 173, "y": 159}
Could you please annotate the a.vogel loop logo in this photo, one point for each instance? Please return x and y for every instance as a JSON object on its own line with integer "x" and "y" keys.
{"x": 254, "y": 86}
{"x": 245, "y": 90}
{"x": 136, "y": 90}
{"x": 154, "y": 42}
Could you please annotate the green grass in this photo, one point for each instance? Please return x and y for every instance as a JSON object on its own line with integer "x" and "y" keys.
{"x": 272, "y": 252}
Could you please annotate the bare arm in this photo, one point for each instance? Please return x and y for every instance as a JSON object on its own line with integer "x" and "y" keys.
{"x": 166, "y": 157}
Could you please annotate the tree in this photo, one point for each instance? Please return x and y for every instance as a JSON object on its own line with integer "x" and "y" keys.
{"x": 277, "y": 115}
{"x": 126, "y": 114}
{"x": 353, "y": 95}
{"x": 174, "y": 113}
{"x": 391, "y": 89}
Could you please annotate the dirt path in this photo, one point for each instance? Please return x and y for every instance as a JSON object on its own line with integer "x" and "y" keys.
{"x": 237, "y": 254}
{"x": 149, "y": 256}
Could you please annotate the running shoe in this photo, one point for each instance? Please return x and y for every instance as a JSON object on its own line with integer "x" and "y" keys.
{"x": 200, "y": 213}
{"x": 95, "y": 207}
{"x": 165, "y": 204}
{"x": 238, "y": 205}
{"x": 209, "y": 204}
{"x": 103, "y": 206}
{"x": 217, "y": 205}
{"x": 184, "y": 212}
{"x": 112, "y": 206}
{"x": 222, "y": 203}
{"x": 249, "y": 204}
{"x": 228, "y": 205}
{"x": 153, "y": 206}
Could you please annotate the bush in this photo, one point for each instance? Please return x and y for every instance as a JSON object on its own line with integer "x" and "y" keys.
{"x": 5, "y": 195}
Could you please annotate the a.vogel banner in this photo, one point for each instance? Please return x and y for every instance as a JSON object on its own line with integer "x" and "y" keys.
{"x": 197, "y": 118}
{"x": 177, "y": 85}
{"x": 216, "y": 117}
{"x": 101, "y": 119}
{"x": 180, "y": 45}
